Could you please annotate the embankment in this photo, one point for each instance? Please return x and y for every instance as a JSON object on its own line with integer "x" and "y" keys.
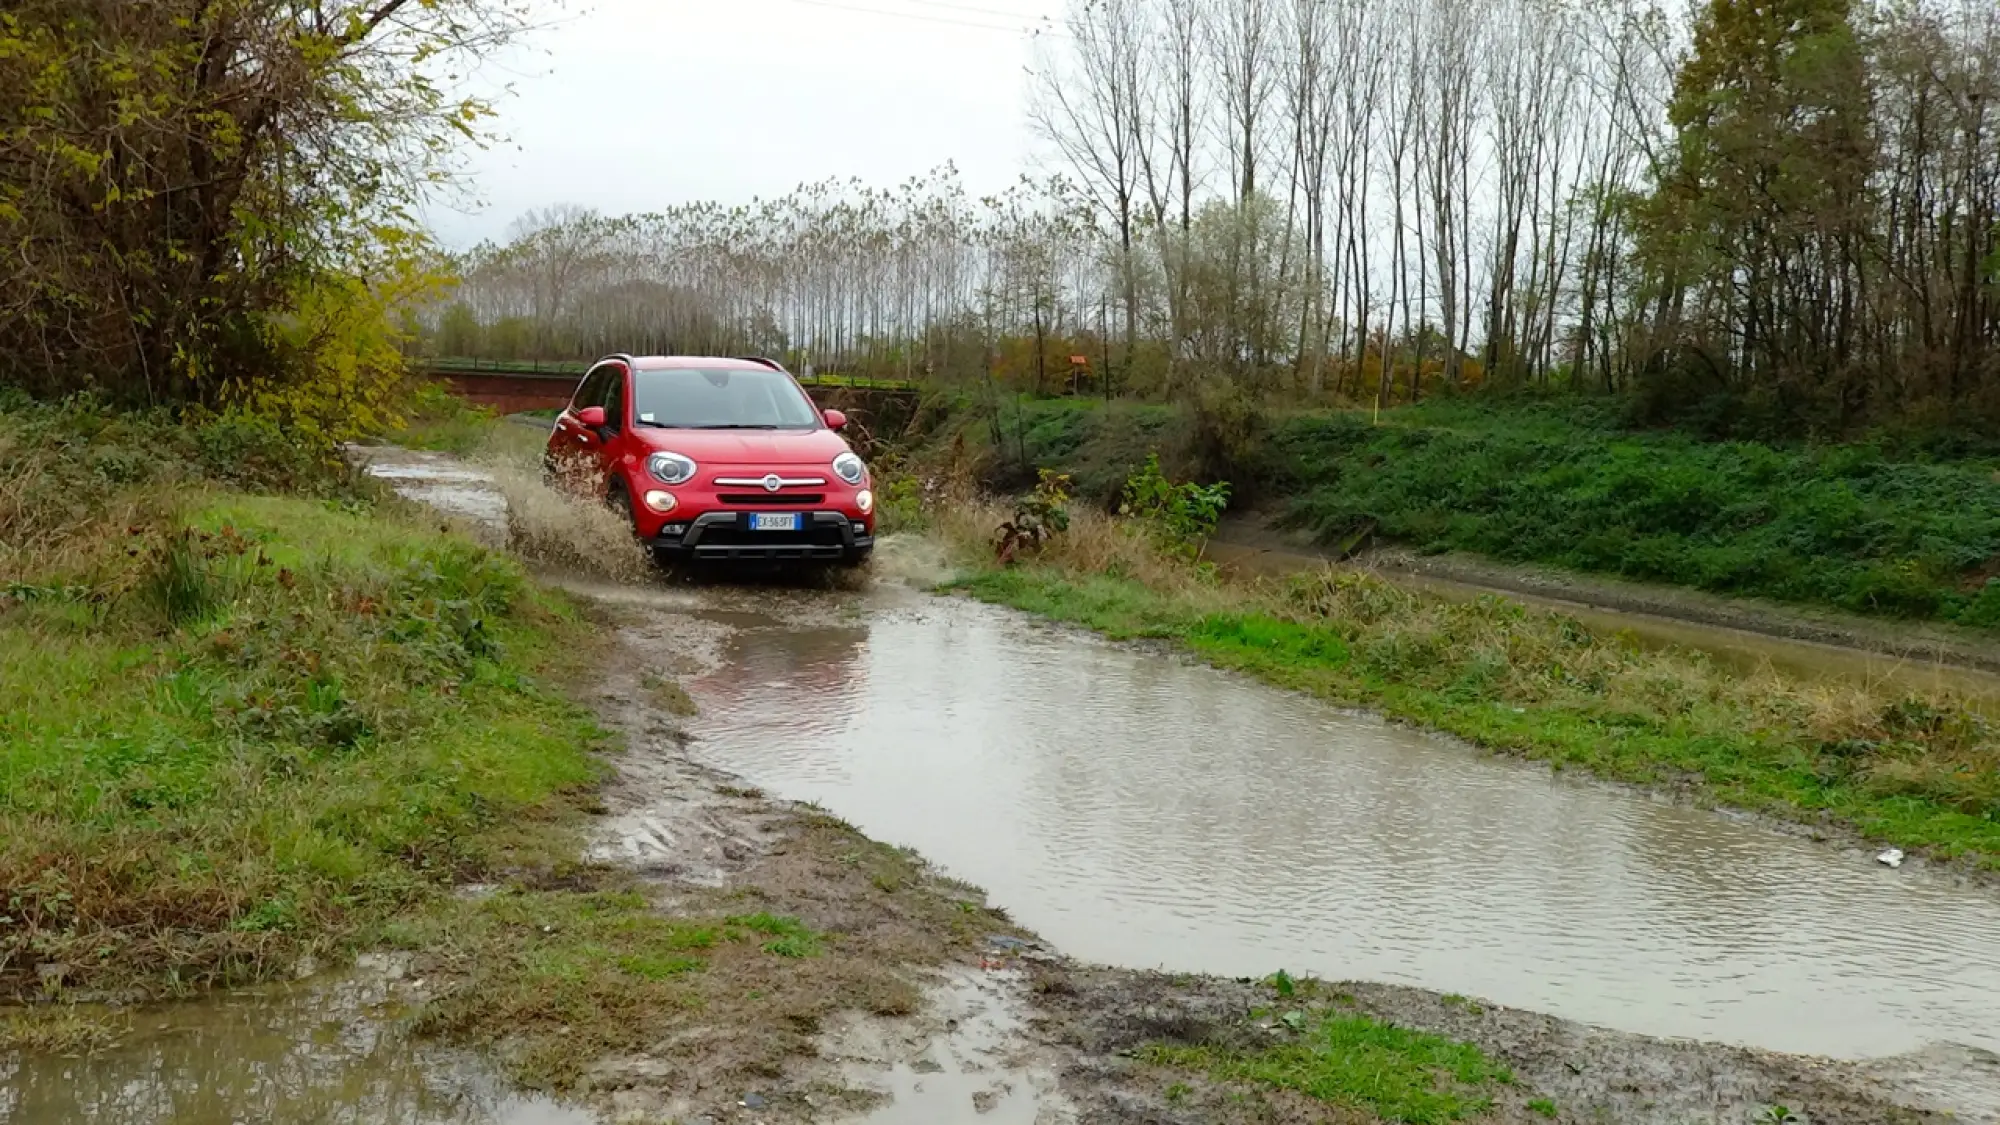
{"x": 1882, "y": 528}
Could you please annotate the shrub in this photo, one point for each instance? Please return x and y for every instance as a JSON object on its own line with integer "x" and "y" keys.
{"x": 1038, "y": 517}
{"x": 1181, "y": 516}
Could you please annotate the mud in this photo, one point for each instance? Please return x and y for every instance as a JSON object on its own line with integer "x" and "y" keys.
{"x": 1098, "y": 1017}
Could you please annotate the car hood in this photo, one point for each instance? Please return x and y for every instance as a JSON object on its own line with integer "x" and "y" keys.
{"x": 748, "y": 447}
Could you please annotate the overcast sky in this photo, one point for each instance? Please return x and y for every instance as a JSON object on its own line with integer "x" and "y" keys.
{"x": 634, "y": 105}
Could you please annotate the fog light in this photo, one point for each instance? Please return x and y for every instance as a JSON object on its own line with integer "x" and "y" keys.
{"x": 860, "y": 528}
{"x": 660, "y": 501}
{"x": 864, "y": 500}
{"x": 674, "y": 529}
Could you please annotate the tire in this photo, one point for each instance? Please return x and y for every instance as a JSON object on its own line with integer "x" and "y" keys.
{"x": 620, "y": 501}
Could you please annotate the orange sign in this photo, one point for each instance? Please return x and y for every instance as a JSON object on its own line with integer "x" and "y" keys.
{"x": 1079, "y": 361}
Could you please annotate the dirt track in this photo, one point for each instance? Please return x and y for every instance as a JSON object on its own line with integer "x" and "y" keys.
{"x": 1248, "y": 536}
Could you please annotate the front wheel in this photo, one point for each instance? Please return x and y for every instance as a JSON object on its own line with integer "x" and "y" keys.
{"x": 620, "y": 502}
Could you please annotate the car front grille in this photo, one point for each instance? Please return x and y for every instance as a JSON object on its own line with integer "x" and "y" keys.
{"x": 772, "y": 499}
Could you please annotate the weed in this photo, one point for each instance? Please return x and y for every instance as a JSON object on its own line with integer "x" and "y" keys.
{"x": 668, "y": 693}
{"x": 1178, "y": 1092}
{"x": 789, "y": 936}
{"x": 1400, "y": 1075}
{"x": 1543, "y": 1106}
{"x": 58, "y": 1030}
{"x": 1038, "y": 517}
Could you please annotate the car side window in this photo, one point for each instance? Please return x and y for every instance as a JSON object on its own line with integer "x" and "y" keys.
{"x": 614, "y": 399}
{"x": 591, "y": 391}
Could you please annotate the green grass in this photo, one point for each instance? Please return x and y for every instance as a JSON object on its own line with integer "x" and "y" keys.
{"x": 1882, "y": 527}
{"x": 1849, "y": 526}
{"x": 1918, "y": 773}
{"x": 1399, "y": 1075}
{"x": 262, "y": 728}
{"x": 573, "y": 975}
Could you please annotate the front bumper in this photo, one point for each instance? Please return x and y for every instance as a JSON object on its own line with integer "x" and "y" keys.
{"x": 726, "y": 536}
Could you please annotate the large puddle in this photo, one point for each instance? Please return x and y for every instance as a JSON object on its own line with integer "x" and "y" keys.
{"x": 1144, "y": 811}
{"x": 329, "y": 1053}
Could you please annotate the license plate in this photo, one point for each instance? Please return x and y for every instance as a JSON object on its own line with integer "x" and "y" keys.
{"x": 774, "y": 521}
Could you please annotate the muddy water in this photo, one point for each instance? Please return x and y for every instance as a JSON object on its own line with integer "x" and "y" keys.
{"x": 325, "y": 1053}
{"x": 1143, "y": 811}
{"x": 442, "y": 481}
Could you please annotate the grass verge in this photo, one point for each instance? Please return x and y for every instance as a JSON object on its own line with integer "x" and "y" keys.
{"x": 239, "y": 730}
{"x": 1918, "y": 771}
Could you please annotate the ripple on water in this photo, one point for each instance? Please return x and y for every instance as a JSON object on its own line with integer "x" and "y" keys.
{"x": 1140, "y": 810}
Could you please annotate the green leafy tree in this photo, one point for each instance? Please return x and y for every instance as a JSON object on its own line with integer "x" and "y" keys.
{"x": 213, "y": 201}
{"x": 1760, "y": 226}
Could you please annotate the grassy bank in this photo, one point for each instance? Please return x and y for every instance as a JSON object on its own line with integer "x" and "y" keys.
{"x": 241, "y": 729}
{"x": 1881, "y": 528}
{"x": 1920, "y": 772}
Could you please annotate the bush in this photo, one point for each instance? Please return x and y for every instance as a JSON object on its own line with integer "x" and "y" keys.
{"x": 1038, "y": 517}
{"x": 1182, "y": 517}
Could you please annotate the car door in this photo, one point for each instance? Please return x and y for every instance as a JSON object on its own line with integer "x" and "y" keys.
{"x": 615, "y": 439}
{"x": 574, "y": 447}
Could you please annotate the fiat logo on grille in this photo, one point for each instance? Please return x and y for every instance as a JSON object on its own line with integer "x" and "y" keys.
{"x": 772, "y": 483}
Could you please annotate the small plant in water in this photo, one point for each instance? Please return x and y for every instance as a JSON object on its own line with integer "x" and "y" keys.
{"x": 1038, "y": 517}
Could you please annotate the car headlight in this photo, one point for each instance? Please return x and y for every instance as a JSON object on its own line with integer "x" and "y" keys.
{"x": 865, "y": 500}
{"x": 671, "y": 468}
{"x": 849, "y": 468}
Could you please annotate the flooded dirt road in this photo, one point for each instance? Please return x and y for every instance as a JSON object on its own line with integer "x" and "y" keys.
{"x": 1144, "y": 811}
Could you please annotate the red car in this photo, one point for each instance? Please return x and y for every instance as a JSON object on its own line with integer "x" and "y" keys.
{"x": 716, "y": 459}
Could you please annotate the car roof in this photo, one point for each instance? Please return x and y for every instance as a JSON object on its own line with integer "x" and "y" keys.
{"x": 712, "y": 363}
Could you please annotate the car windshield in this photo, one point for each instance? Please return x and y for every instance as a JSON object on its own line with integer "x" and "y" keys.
{"x": 695, "y": 398}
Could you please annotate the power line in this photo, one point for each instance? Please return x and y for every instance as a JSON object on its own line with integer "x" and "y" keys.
{"x": 1018, "y": 29}
{"x": 981, "y": 11}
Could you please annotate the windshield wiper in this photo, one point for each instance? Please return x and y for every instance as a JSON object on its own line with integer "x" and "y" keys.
{"x": 738, "y": 426}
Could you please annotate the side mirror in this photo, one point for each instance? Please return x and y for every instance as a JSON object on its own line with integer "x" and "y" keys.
{"x": 592, "y": 417}
{"x": 835, "y": 420}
